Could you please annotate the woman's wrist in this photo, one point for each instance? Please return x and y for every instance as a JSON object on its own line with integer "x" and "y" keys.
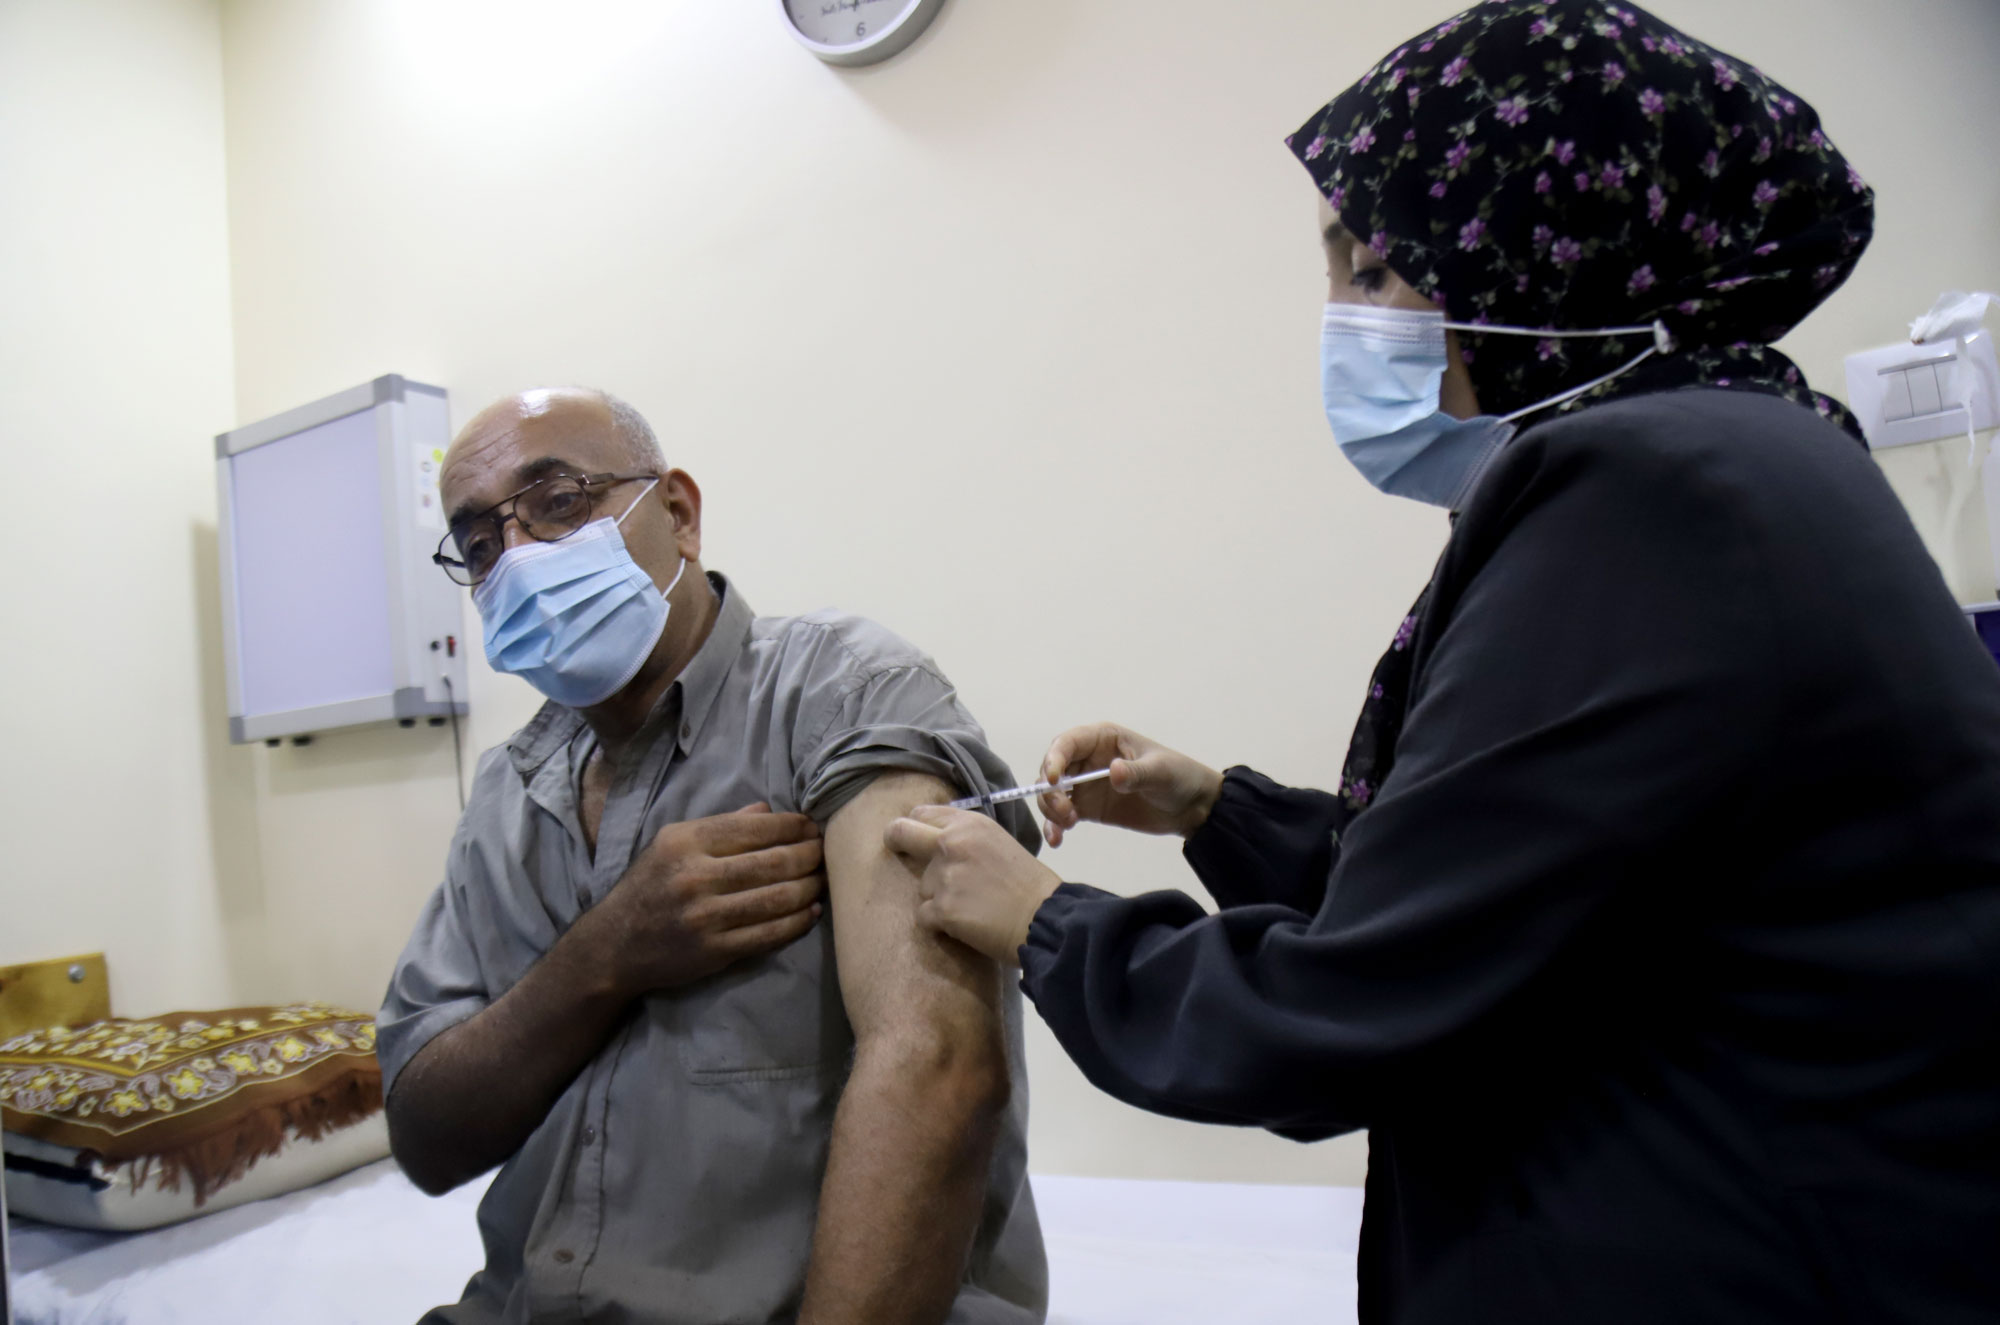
{"x": 1036, "y": 896}
{"x": 1203, "y": 804}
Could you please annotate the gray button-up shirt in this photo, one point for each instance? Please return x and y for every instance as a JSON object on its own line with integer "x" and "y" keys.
{"x": 677, "y": 1179}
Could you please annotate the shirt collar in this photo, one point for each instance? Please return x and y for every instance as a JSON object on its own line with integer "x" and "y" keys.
{"x": 701, "y": 680}
{"x": 692, "y": 693}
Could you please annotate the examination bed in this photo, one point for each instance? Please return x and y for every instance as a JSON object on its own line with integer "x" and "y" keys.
{"x": 369, "y": 1249}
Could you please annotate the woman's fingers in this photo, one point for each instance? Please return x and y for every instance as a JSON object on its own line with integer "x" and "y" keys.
{"x": 909, "y": 836}
{"x": 978, "y": 884}
{"x": 1152, "y": 789}
{"x": 1058, "y": 808}
{"x": 919, "y": 833}
{"x": 1079, "y": 750}
{"x": 1061, "y": 752}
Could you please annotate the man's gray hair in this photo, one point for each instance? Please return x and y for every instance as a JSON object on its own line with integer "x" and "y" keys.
{"x": 636, "y": 434}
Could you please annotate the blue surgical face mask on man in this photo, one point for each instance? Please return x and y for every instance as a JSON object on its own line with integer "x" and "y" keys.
{"x": 576, "y": 618}
{"x": 1381, "y": 377}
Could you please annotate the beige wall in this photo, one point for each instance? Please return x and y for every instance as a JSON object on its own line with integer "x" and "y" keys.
{"x": 114, "y": 368}
{"x": 1009, "y": 343}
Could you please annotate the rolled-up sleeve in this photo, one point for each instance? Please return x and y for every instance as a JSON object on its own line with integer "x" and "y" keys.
{"x": 437, "y": 984}
{"x": 901, "y": 717}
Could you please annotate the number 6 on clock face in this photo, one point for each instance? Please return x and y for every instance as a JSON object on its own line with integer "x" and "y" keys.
{"x": 854, "y": 32}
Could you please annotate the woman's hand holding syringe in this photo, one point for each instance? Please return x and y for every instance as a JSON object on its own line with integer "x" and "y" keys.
{"x": 1136, "y": 783}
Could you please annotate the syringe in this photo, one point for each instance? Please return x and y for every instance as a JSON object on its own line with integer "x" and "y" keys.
{"x": 1022, "y": 793}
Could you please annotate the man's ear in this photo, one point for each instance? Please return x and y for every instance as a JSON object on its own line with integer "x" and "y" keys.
{"x": 681, "y": 495}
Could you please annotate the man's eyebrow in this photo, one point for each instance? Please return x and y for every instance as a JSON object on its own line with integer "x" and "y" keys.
{"x": 539, "y": 468}
{"x": 545, "y": 466}
{"x": 1334, "y": 233}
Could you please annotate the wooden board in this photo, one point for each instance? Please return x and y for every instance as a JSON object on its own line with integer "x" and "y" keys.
{"x": 65, "y": 992}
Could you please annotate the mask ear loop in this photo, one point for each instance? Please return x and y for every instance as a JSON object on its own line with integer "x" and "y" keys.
{"x": 636, "y": 500}
{"x": 682, "y": 570}
{"x": 1663, "y": 343}
{"x": 1663, "y": 340}
{"x": 668, "y": 591}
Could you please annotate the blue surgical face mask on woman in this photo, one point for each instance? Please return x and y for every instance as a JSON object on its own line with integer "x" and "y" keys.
{"x": 1381, "y": 378}
{"x": 576, "y": 618}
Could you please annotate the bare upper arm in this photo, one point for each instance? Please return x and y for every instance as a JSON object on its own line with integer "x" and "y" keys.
{"x": 894, "y": 974}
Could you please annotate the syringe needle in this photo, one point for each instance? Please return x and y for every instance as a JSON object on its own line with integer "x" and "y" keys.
{"x": 992, "y": 798}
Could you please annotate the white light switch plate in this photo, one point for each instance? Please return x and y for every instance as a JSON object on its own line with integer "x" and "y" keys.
{"x": 1906, "y": 393}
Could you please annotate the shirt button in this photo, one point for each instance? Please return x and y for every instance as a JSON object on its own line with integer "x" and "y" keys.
{"x": 589, "y": 1135}
{"x": 565, "y": 1256}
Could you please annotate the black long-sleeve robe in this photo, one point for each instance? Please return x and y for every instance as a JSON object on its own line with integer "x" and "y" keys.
{"x": 1664, "y": 970}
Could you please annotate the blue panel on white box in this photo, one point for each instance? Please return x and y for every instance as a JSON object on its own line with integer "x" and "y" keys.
{"x": 312, "y": 587}
{"x": 1987, "y": 623}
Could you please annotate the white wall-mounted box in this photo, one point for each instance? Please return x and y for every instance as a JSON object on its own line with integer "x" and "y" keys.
{"x": 1905, "y": 394}
{"x": 333, "y": 613}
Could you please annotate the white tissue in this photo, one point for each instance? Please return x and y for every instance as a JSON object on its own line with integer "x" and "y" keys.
{"x": 1956, "y": 313}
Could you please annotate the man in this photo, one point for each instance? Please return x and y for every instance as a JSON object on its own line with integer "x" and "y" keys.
{"x": 708, "y": 1107}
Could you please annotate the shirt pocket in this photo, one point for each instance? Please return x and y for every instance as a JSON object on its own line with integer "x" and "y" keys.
{"x": 771, "y": 1018}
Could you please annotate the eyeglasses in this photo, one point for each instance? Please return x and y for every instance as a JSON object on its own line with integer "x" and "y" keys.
{"x": 549, "y": 509}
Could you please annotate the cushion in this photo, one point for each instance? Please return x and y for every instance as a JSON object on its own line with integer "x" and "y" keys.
{"x": 58, "y": 1185}
{"x": 185, "y": 1105}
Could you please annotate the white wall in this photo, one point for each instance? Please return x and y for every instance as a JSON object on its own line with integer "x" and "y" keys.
{"x": 1907, "y": 91}
{"x": 115, "y": 367}
{"x": 1009, "y": 343}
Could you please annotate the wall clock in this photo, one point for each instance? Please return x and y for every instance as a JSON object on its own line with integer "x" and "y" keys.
{"x": 852, "y": 32}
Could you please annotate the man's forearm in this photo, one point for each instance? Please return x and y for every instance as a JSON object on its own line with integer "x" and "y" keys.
{"x": 905, "y": 1179}
{"x": 472, "y": 1096}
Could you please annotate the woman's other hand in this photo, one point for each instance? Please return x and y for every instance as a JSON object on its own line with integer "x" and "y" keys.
{"x": 978, "y": 884}
{"x": 1151, "y": 789}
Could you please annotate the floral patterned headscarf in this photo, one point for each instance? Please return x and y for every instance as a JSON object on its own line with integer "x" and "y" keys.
{"x": 1572, "y": 164}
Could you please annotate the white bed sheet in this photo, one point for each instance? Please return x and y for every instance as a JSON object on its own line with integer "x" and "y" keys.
{"x": 368, "y": 1248}
{"x": 1124, "y": 1252}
